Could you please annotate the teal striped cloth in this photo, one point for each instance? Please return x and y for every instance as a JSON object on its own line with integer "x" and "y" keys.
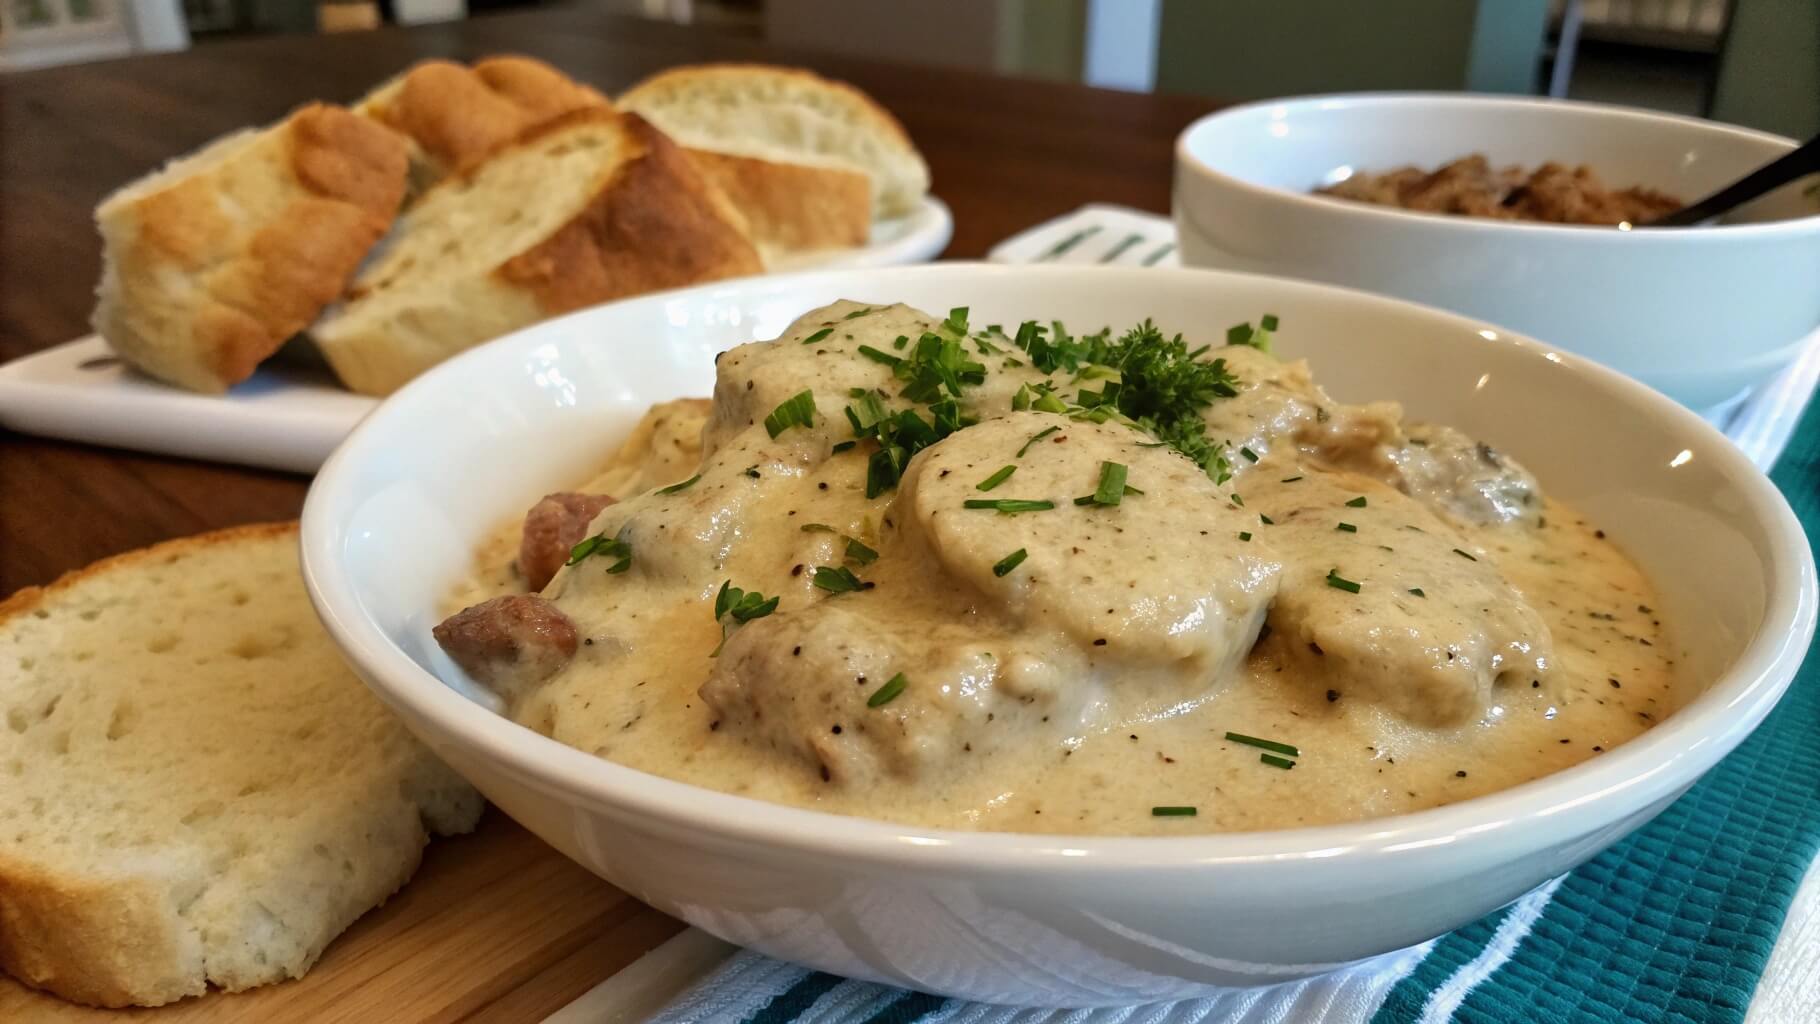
{"x": 1674, "y": 924}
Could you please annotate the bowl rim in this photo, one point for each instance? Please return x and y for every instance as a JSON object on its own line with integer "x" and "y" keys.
{"x": 1188, "y": 160}
{"x": 1602, "y": 789}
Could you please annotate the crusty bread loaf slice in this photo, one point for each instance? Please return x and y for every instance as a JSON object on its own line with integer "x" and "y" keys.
{"x": 785, "y": 115}
{"x": 590, "y": 207}
{"x": 456, "y": 116}
{"x": 790, "y": 207}
{"x": 212, "y": 262}
{"x": 194, "y": 790}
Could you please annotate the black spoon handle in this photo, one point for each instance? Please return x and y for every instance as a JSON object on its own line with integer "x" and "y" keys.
{"x": 1796, "y": 163}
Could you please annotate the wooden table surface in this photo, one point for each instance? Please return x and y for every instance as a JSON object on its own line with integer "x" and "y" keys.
{"x": 497, "y": 926}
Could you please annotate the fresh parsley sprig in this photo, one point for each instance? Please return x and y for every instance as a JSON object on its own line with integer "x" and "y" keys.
{"x": 738, "y": 607}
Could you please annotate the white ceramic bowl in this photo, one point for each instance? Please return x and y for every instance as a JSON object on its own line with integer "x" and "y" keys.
{"x": 1700, "y": 314}
{"x": 1054, "y": 920}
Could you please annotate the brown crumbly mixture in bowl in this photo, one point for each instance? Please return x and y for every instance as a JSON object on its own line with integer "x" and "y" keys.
{"x": 1470, "y": 187}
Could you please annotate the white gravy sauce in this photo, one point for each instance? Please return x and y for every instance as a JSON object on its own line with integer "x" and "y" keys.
{"x": 1493, "y": 637}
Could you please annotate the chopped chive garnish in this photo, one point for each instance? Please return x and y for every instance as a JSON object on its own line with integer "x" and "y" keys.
{"x": 1465, "y": 555}
{"x": 1268, "y": 321}
{"x": 902, "y": 340}
{"x": 1009, "y": 506}
{"x": 1090, "y": 499}
{"x": 818, "y": 335}
{"x": 888, "y": 692}
{"x": 995, "y": 479}
{"x": 856, "y": 314}
{"x": 796, "y": 411}
{"x": 878, "y": 356}
{"x": 860, "y": 554}
{"x": 1276, "y": 762}
{"x": 1250, "y": 455}
{"x": 1417, "y": 591}
{"x": 1010, "y": 562}
{"x": 818, "y": 528}
{"x": 1034, "y": 438}
{"x": 1266, "y": 520}
{"x": 1253, "y": 741}
{"x": 1358, "y": 502}
{"x": 957, "y": 321}
{"x": 867, "y": 412}
{"x": 1112, "y": 484}
{"x": 1173, "y": 812}
{"x": 1289, "y": 479}
{"x": 752, "y": 471}
{"x": 1236, "y": 500}
{"x": 841, "y": 446}
{"x": 838, "y": 579}
{"x": 685, "y": 485}
{"x": 1243, "y": 535}
{"x": 1346, "y": 528}
{"x": 1338, "y": 582}
{"x": 601, "y": 544}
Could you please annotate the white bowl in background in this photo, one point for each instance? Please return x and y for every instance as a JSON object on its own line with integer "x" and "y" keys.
{"x": 1701, "y": 314}
{"x": 1042, "y": 919}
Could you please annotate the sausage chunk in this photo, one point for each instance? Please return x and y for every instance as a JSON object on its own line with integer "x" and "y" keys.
{"x": 510, "y": 643}
{"x": 553, "y": 526}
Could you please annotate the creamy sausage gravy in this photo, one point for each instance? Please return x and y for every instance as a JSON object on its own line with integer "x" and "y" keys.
{"x": 1396, "y": 602}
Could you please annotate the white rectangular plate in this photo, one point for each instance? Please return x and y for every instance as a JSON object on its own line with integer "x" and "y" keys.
{"x": 291, "y": 414}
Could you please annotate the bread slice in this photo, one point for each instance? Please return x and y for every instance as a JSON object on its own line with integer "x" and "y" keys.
{"x": 786, "y": 116}
{"x": 456, "y": 116}
{"x": 194, "y": 790}
{"x": 590, "y": 207}
{"x": 212, "y": 262}
{"x": 791, "y": 207}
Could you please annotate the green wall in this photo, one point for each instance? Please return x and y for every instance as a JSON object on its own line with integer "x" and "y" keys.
{"x": 1251, "y": 49}
{"x": 1042, "y": 38}
{"x": 1769, "y": 73}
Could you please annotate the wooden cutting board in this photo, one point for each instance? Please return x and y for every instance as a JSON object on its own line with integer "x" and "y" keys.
{"x": 496, "y": 926}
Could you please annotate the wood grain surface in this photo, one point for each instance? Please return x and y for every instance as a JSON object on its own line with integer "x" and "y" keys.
{"x": 496, "y": 926}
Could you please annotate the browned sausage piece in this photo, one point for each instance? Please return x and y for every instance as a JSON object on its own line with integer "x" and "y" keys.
{"x": 509, "y": 643}
{"x": 552, "y": 527}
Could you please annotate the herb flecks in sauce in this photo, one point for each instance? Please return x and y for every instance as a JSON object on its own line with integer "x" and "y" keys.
{"x": 1001, "y": 683}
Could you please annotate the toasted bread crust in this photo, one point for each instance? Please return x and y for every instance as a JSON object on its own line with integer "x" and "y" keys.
{"x": 656, "y": 224}
{"x": 792, "y": 206}
{"x": 94, "y": 941}
{"x": 27, "y": 599}
{"x": 459, "y": 116}
{"x": 197, "y": 294}
{"x": 539, "y": 90}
